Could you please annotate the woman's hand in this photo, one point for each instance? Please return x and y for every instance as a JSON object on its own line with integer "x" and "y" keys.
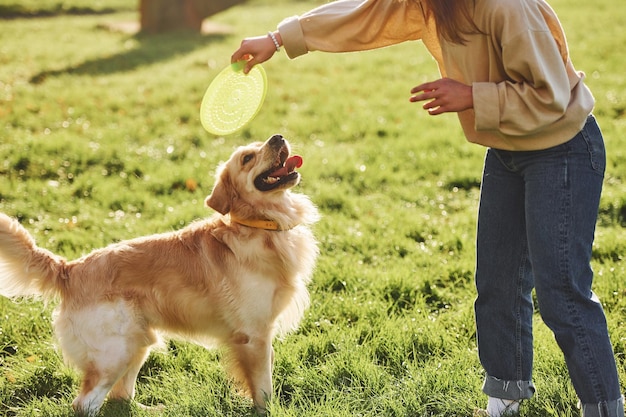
{"x": 255, "y": 50}
{"x": 446, "y": 95}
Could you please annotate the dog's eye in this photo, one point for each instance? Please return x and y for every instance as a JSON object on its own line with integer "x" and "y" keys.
{"x": 247, "y": 158}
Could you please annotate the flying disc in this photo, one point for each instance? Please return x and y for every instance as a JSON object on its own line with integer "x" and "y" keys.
{"x": 233, "y": 99}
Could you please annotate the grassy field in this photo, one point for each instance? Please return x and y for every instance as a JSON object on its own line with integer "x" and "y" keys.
{"x": 100, "y": 141}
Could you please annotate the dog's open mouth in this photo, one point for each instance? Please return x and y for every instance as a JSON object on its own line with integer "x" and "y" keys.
{"x": 283, "y": 173}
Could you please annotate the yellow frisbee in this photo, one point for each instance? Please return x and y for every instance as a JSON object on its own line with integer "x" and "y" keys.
{"x": 233, "y": 99}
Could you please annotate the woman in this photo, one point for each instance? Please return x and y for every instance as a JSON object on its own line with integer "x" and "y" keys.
{"x": 506, "y": 72}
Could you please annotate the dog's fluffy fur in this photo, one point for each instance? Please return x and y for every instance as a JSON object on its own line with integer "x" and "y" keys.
{"x": 213, "y": 282}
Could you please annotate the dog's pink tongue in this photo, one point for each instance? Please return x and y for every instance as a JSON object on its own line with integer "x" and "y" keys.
{"x": 291, "y": 164}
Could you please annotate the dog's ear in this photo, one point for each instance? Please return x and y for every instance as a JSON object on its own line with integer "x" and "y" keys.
{"x": 221, "y": 196}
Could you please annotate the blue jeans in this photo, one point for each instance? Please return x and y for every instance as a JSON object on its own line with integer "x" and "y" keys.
{"x": 536, "y": 224}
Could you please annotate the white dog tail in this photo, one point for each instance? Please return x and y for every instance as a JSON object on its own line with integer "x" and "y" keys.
{"x": 25, "y": 269}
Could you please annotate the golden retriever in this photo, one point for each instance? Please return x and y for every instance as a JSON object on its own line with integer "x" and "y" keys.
{"x": 233, "y": 280}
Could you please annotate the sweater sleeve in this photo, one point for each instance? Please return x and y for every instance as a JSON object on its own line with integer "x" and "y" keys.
{"x": 353, "y": 25}
{"x": 538, "y": 87}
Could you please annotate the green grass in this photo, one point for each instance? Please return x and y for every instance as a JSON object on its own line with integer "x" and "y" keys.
{"x": 33, "y": 8}
{"x": 100, "y": 138}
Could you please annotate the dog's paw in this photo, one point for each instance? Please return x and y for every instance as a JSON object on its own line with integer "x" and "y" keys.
{"x": 151, "y": 408}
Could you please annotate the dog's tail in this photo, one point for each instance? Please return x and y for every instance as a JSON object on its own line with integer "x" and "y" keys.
{"x": 25, "y": 269}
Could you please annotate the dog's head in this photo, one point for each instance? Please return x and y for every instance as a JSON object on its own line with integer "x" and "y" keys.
{"x": 254, "y": 177}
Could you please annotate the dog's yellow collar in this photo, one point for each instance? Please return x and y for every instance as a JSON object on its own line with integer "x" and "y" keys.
{"x": 258, "y": 224}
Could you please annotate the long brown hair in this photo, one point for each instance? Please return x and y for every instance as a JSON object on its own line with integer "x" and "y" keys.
{"x": 453, "y": 19}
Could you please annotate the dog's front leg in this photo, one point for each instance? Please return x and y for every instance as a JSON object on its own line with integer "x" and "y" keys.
{"x": 252, "y": 357}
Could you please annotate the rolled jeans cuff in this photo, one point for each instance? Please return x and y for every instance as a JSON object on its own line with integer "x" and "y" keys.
{"x": 508, "y": 390}
{"x": 604, "y": 409}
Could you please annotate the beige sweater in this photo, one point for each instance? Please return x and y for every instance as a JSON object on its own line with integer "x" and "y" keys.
{"x": 527, "y": 94}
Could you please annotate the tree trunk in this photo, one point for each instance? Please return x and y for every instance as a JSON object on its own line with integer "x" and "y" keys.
{"x": 166, "y": 15}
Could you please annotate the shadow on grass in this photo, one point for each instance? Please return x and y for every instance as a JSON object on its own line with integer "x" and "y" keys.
{"x": 15, "y": 11}
{"x": 151, "y": 49}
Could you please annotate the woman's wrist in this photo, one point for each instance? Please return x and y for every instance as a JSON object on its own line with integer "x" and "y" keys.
{"x": 276, "y": 39}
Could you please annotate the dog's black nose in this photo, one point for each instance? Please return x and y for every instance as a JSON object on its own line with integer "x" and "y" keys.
{"x": 277, "y": 140}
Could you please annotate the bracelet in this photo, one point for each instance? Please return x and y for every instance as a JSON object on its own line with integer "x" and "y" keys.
{"x": 273, "y": 38}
